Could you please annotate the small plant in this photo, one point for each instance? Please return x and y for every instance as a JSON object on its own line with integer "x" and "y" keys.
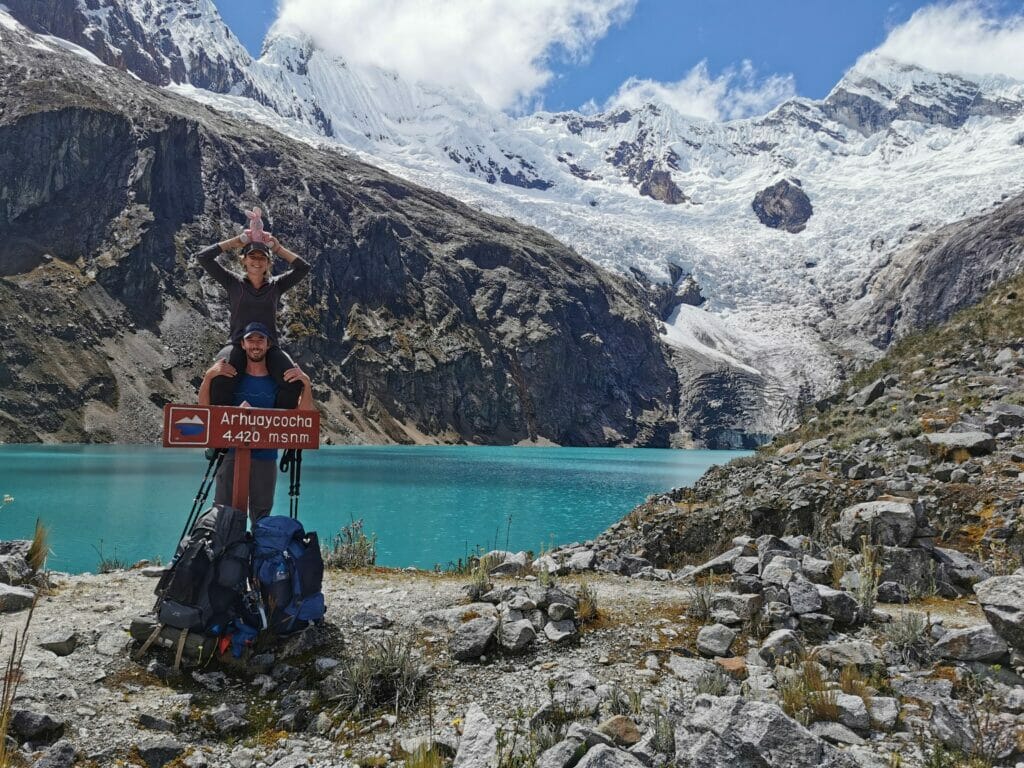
{"x": 387, "y": 675}
{"x": 11, "y": 681}
{"x": 425, "y": 756}
{"x": 807, "y": 698}
{"x": 713, "y": 682}
{"x": 351, "y": 548}
{"x": 908, "y": 633}
{"x": 108, "y": 564}
{"x": 851, "y": 681}
{"x": 840, "y": 558}
{"x": 870, "y": 571}
{"x": 700, "y": 595}
{"x": 480, "y": 584}
{"x": 544, "y": 577}
{"x": 586, "y": 609}
{"x": 664, "y": 740}
{"x": 39, "y": 549}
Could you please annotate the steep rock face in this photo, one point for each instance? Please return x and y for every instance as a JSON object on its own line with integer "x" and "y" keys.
{"x": 953, "y": 268}
{"x": 422, "y": 319}
{"x": 783, "y": 205}
{"x": 143, "y": 44}
{"x": 870, "y": 99}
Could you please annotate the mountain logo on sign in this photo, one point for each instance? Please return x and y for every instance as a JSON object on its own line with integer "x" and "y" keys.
{"x": 190, "y": 426}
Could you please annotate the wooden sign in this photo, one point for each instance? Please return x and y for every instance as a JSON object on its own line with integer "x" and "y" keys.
{"x": 221, "y": 426}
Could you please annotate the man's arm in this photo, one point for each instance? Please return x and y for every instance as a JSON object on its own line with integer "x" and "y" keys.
{"x": 297, "y": 374}
{"x": 219, "y": 368}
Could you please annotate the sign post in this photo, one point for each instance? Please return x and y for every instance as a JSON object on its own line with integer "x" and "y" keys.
{"x": 222, "y": 426}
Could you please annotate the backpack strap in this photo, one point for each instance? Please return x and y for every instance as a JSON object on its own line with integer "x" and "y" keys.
{"x": 149, "y": 641}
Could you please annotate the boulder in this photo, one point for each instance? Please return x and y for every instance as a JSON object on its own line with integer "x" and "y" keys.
{"x": 471, "y": 639}
{"x": 37, "y": 727}
{"x": 816, "y": 626}
{"x": 61, "y": 754}
{"x": 621, "y": 730}
{"x": 582, "y": 561}
{"x": 892, "y": 592}
{"x": 859, "y": 653}
{"x": 784, "y": 205}
{"x": 891, "y": 523}
{"x": 841, "y": 606}
{"x": 853, "y": 712}
{"x": 560, "y": 631}
{"x": 747, "y": 733}
{"x": 959, "y": 446}
{"x": 780, "y": 645}
{"x": 689, "y": 670}
{"x": 564, "y": 754}
{"x": 803, "y": 596}
{"x": 15, "y": 598}
{"x": 835, "y": 733}
{"x": 715, "y": 640}
{"x": 979, "y": 643}
{"x": 603, "y": 756}
{"x": 516, "y": 636}
{"x": 884, "y": 712}
{"x": 478, "y": 747}
{"x": 14, "y": 569}
{"x": 961, "y": 570}
{"x": 745, "y": 606}
{"x": 62, "y": 642}
{"x": 158, "y": 753}
{"x": 1002, "y": 600}
{"x": 912, "y": 567}
{"x": 780, "y": 570}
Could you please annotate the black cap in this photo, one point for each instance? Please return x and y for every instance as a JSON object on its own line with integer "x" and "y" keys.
{"x": 259, "y": 328}
{"x": 262, "y": 247}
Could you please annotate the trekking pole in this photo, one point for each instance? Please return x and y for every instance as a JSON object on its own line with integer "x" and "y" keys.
{"x": 296, "y": 482}
{"x": 204, "y": 488}
{"x": 291, "y": 461}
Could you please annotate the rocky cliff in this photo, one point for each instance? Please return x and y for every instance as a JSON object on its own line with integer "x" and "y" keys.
{"x": 422, "y": 319}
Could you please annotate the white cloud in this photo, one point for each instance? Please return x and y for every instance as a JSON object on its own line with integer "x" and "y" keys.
{"x": 967, "y": 37}
{"x": 499, "y": 49}
{"x": 733, "y": 94}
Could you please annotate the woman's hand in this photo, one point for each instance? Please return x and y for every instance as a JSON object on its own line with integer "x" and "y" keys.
{"x": 221, "y": 368}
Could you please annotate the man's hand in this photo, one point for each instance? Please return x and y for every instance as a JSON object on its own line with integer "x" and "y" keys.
{"x": 296, "y": 374}
{"x": 221, "y": 368}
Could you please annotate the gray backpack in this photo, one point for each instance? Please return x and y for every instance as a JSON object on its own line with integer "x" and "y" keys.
{"x": 203, "y": 588}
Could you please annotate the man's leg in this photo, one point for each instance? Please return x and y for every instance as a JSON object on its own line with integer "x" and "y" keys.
{"x": 225, "y": 480}
{"x": 262, "y": 484}
{"x": 222, "y": 388}
{"x": 288, "y": 393}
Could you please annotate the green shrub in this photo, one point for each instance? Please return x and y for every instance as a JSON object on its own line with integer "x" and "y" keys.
{"x": 351, "y": 548}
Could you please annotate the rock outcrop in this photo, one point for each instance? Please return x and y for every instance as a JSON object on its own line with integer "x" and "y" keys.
{"x": 783, "y": 205}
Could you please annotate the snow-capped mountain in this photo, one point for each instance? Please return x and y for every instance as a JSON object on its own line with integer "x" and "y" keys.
{"x": 781, "y": 220}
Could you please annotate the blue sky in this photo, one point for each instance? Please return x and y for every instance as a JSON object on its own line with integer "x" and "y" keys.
{"x": 791, "y": 46}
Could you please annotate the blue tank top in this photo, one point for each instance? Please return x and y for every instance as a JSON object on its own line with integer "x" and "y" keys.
{"x": 259, "y": 392}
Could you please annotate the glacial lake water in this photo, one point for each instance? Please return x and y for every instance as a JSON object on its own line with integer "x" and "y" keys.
{"x": 427, "y": 505}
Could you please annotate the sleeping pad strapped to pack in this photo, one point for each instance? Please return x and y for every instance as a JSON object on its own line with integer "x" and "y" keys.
{"x": 204, "y": 587}
{"x": 289, "y": 569}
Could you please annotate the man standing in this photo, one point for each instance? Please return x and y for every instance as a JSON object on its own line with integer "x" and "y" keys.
{"x": 255, "y": 388}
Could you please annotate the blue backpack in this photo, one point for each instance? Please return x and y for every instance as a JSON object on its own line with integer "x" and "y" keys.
{"x": 288, "y": 566}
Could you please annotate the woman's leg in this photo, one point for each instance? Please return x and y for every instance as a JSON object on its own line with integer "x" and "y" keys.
{"x": 288, "y": 392}
{"x": 222, "y": 388}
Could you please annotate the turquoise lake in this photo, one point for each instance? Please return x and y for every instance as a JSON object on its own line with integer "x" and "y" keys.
{"x": 427, "y": 505}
